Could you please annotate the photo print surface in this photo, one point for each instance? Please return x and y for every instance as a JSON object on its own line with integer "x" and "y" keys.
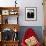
{"x": 31, "y": 13}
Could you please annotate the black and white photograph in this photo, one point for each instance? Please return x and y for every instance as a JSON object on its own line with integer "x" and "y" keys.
{"x": 31, "y": 13}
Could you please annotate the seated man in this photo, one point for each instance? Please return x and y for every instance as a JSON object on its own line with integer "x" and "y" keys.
{"x": 30, "y": 38}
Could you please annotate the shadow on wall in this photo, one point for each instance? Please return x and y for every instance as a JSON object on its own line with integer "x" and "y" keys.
{"x": 37, "y": 29}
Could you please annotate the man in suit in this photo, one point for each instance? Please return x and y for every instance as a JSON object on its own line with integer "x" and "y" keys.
{"x": 30, "y": 14}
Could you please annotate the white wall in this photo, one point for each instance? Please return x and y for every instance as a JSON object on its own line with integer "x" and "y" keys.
{"x": 31, "y": 3}
{"x": 27, "y": 3}
{"x": 7, "y": 3}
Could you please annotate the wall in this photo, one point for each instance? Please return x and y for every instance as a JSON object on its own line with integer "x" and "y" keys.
{"x": 7, "y": 3}
{"x": 26, "y": 3}
{"x": 32, "y": 3}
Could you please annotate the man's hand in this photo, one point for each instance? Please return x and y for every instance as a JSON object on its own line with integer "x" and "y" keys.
{"x": 31, "y": 41}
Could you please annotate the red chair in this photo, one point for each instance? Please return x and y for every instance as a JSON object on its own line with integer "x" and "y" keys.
{"x": 29, "y": 33}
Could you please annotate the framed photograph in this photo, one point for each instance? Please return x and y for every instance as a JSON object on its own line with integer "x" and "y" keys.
{"x": 31, "y": 13}
{"x": 5, "y": 12}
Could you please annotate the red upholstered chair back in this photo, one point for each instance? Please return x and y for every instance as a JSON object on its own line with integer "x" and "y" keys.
{"x": 29, "y": 33}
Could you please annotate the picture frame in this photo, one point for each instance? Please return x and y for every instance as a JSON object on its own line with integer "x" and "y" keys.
{"x": 31, "y": 13}
{"x": 7, "y": 34}
{"x": 5, "y": 12}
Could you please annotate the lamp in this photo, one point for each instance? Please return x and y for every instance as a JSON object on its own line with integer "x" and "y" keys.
{"x": 15, "y": 3}
{"x": 15, "y": 30}
{"x": 15, "y": 35}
